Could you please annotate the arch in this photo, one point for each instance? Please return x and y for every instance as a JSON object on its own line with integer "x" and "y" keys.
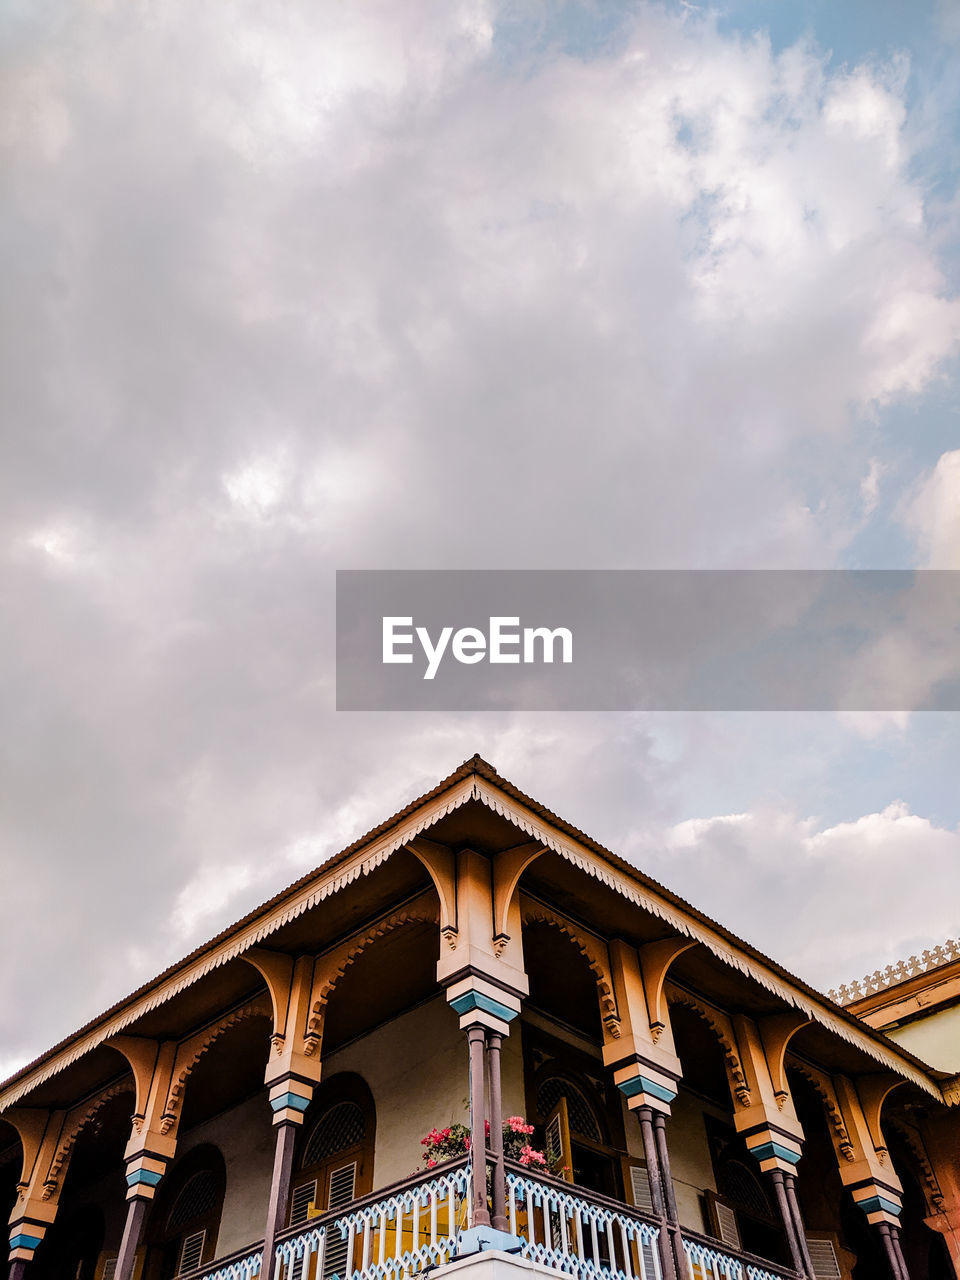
{"x": 508, "y": 866}
{"x": 330, "y": 968}
{"x": 192, "y": 1050}
{"x": 441, "y": 865}
{"x": 189, "y": 1204}
{"x": 929, "y": 1182}
{"x": 831, "y": 1105}
{"x": 720, "y": 1026}
{"x": 873, "y": 1091}
{"x": 592, "y": 950}
{"x": 583, "y": 1115}
{"x": 77, "y": 1121}
{"x": 335, "y": 1147}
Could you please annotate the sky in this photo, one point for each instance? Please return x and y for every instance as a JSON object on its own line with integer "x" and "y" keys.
{"x": 407, "y": 284}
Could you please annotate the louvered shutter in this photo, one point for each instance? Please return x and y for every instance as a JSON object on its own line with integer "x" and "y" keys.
{"x": 191, "y": 1254}
{"x": 824, "y": 1258}
{"x": 557, "y": 1137}
{"x": 640, "y": 1187}
{"x": 727, "y": 1226}
{"x": 341, "y": 1190}
{"x": 109, "y": 1269}
{"x": 303, "y": 1197}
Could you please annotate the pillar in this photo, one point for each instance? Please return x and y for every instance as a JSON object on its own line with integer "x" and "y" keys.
{"x": 655, "y": 1177}
{"x": 494, "y": 1041}
{"x": 132, "y": 1232}
{"x": 45, "y": 1163}
{"x": 669, "y": 1198}
{"x": 480, "y": 1215}
{"x": 279, "y": 1195}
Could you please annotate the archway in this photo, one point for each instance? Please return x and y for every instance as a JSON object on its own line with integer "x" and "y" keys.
{"x": 184, "y": 1223}
{"x": 735, "y": 1204}
{"x": 334, "y": 1157}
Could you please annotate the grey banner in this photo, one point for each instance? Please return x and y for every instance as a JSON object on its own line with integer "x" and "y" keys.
{"x": 658, "y": 640}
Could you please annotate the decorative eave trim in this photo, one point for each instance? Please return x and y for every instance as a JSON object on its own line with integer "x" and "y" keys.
{"x": 635, "y": 892}
{"x": 320, "y": 888}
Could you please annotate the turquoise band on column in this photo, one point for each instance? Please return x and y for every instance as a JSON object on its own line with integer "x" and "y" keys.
{"x": 471, "y": 1000}
{"x": 296, "y": 1102}
{"x": 641, "y": 1084}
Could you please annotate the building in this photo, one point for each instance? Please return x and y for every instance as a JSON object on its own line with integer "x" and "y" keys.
{"x": 259, "y": 1107}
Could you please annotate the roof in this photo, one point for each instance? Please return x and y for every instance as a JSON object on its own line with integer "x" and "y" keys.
{"x": 377, "y": 844}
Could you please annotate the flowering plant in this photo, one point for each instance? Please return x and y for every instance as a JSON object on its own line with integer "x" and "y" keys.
{"x": 454, "y": 1140}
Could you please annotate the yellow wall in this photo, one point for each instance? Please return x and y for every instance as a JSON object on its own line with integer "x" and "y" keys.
{"x": 935, "y": 1038}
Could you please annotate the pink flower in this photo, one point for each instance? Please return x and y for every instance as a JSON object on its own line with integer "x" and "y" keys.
{"x": 431, "y": 1163}
{"x": 529, "y": 1156}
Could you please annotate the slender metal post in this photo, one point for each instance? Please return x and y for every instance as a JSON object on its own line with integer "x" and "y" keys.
{"x": 478, "y": 1137}
{"x": 790, "y": 1184}
{"x": 669, "y": 1199}
{"x": 667, "y": 1260}
{"x": 130, "y": 1242}
{"x": 494, "y": 1041}
{"x": 18, "y": 1269}
{"x": 279, "y": 1196}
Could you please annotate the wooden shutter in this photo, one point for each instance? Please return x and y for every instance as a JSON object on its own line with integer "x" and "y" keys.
{"x": 341, "y": 1189}
{"x": 823, "y": 1255}
{"x": 639, "y": 1183}
{"x": 723, "y": 1220}
{"x": 303, "y": 1199}
{"x": 191, "y": 1255}
{"x": 109, "y": 1268}
{"x": 557, "y": 1134}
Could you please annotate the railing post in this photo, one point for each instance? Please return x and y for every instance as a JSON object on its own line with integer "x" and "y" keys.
{"x": 279, "y": 1195}
{"x": 478, "y": 1137}
{"x": 494, "y": 1041}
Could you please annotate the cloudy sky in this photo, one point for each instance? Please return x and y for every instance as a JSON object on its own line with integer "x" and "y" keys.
{"x": 454, "y": 283}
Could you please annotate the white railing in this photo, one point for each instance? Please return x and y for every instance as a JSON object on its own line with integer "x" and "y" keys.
{"x": 385, "y": 1238}
{"x": 708, "y": 1262}
{"x": 245, "y": 1268}
{"x": 587, "y": 1238}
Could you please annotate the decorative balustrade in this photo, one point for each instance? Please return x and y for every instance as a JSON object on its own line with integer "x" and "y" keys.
{"x": 404, "y": 1229}
{"x": 707, "y": 1259}
{"x": 384, "y": 1236}
{"x": 589, "y": 1236}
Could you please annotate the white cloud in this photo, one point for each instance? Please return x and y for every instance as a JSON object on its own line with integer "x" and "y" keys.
{"x": 830, "y": 902}
{"x": 931, "y": 512}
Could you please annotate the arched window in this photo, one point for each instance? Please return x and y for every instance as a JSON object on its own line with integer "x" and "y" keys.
{"x": 581, "y": 1116}
{"x": 335, "y": 1158}
{"x": 185, "y": 1221}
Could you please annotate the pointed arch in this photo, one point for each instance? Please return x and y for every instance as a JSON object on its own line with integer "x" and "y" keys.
{"x": 330, "y": 968}
{"x": 192, "y": 1050}
{"x": 593, "y": 950}
{"x": 79, "y": 1118}
{"x": 722, "y": 1028}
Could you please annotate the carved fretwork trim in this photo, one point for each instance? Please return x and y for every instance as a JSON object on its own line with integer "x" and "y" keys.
{"x": 931, "y": 1185}
{"x": 830, "y": 1105}
{"x": 260, "y": 1007}
{"x": 330, "y": 969}
{"x": 593, "y": 951}
{"x": 75, "y": 1125}
{"x": 717, "y": 1023}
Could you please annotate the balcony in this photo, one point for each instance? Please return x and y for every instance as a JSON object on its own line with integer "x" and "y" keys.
{"x": 414, "y": 1225}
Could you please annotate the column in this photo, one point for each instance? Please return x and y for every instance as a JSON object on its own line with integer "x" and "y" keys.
{"x": 45, "y": 1165}
{"x": 132, "y": 1231}
{"x": 786, "y": 1216}
{"x": 790, "y": 1184}
{"x": 279, "y": 1195}
{"x": 896, "y": 1235}
{"x": 494, "y": 1041}
{"x": 669, "y": 1199}
{"x": 18, "y": 1269}
{"x": 654, "y": 1174}
{"x": 478, "y": 1137}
